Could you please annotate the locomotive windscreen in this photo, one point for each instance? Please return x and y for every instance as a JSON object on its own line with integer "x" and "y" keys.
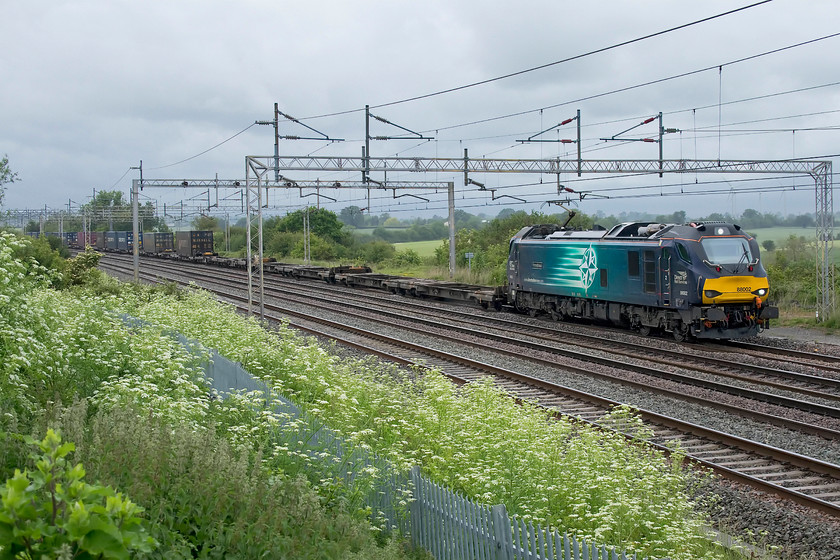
{"x": 727, "y": 250}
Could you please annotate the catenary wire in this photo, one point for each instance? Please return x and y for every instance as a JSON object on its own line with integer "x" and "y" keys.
{"x": 542, "y": 66}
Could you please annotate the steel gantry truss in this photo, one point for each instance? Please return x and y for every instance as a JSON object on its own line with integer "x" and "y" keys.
{"x": 256, "y": 169}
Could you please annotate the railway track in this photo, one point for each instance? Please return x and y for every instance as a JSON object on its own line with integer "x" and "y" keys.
{"x": 801, "y": 479}
{"x": 703, "y": 372}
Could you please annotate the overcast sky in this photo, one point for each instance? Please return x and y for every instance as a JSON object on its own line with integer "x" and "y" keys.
{"x": 90, "y": 88}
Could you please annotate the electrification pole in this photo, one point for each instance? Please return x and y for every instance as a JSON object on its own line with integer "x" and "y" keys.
{"x": 135, "y": 220}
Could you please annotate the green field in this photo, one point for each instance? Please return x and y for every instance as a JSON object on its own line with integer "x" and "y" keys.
{"x": 422, "y": 248}
{"x": 781, "y": 234}
{"x": 366, "y": 231}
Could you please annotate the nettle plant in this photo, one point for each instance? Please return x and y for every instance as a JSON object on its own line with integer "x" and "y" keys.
{"x": 52, "y": 512}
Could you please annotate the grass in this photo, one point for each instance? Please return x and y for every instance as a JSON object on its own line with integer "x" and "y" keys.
{"x": 367, "y": 231}
{"x": 780, "y": 234}
{"x": 422, "y": 248}
{"x": 145, "y": 423}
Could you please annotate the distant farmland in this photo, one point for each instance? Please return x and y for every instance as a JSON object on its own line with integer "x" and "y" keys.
{"x": 422, "y": 248}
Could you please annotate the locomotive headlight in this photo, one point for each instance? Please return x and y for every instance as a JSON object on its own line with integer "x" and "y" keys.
{"x": 760, "y": 291}
{"x": 711, "y": 294}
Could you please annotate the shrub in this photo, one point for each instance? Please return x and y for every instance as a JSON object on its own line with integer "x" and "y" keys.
{"x": 409, "y": 257}
{"x": 81, "y": 269}
{"x": 53, "y": 510}
{"x": 207, "y": 498}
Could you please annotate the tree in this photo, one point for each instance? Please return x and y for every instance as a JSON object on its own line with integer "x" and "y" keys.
{"x": 6, "y": 176}
{"x": 352, "y": 216}
{"x": 206, "y": 223}
{"x": 52, "y": 509}
{"x": 110, "y": 211}
{"x": 321, "y": 222}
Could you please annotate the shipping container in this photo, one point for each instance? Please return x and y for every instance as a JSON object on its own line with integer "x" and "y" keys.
{"x": 98, "y": 239}
{"x": 194, "y": 243}
{"x": 111, "y": 240}
{"x": 122, "y": 241}
{"x": 125, "y": 241}
{"x": 158, "y": 242}
{"x": 81, "y": 242}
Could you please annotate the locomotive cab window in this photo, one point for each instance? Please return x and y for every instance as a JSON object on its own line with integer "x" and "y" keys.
{"x": 633, "y": 264}
{"x": 683, "y": 253}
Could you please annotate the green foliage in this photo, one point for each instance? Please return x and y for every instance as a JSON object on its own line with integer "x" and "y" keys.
{"x": 352, "y": 216}
{"x": 281, "y": 244}
{"x": 376, "y": 252}
{"x": 206, "y": 498}
{"x": 409, "y": 257}
{"x": 320, "y": 248}
{"x": 321, "y": 222}
{"x": 6, "y": 176}
{"x": 474, "y": 439}
{"x": 42, "y": 254}
{"x": 81, "y": 269}
{"x": 111, "y": 210}
{"x": 60, "y": 346}
{"x": 417, "y": 231}
{"x": 792, "y": 274}
{"x": 52, "y": 511}
{"x": 206, "y": 223}
{"x": 768, "y": 245}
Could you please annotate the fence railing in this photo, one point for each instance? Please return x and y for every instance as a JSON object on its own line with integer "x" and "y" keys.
{"x": 452, "y": 527}
{"x": 449, "y": 526}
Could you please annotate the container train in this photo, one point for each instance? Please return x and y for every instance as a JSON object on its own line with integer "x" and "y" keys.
{"x": 695, "y": 281}
{"x": 187, "y": 244}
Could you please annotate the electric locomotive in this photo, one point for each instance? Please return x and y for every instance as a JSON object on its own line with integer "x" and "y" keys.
{"x": 702, "y": 280}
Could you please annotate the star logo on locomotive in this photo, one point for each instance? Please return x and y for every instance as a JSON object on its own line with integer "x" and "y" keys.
{"x": 588, "y": 267}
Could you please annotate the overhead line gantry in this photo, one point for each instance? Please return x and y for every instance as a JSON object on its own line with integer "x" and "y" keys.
{"x": 819, "y": 170}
